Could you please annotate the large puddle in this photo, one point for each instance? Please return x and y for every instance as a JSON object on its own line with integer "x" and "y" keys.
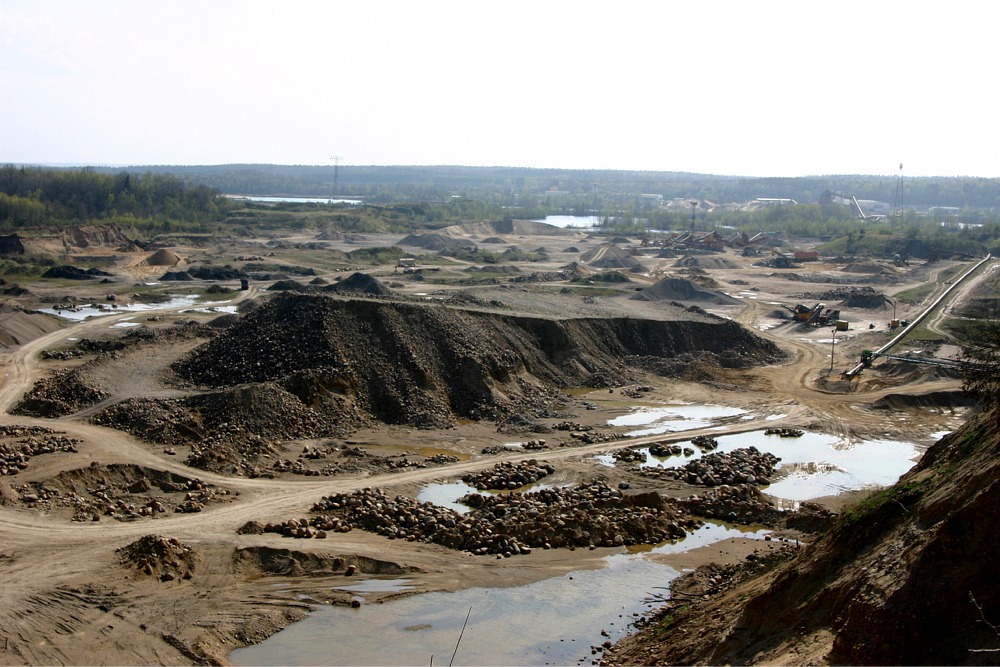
{"x": 176, "y": 301}
{"x": 811, "y": 466}
{"x": 550, "y": 622}
{"x": 673, "y": 418}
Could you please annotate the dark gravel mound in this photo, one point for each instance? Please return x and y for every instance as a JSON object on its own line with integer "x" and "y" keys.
{"x": 74, "y": 273}
{"x": 360, "y": 284}
{"x": 176, "y": 276}
{"x": 288, "y": 286}
{"x": 64, "y": 393}
{"x": 426, "y": 365}
{"x": 680, "y": 289}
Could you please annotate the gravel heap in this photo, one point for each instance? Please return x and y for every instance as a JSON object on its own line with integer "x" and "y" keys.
{"x": 122, "y": 492}
{"x": 785, "y": 432}
{"x": 588, "y": 516}
{"x": 668, "y": 449}
{"x": 34, "y": 440}
{"x": 508, "y": 475}
{"x": 433, "y": 364}
{"x": 154, "y": 555}
{"x": 746, "y": 465}
{"x": 742, "y": 503}
{"x": 62, "y": 394}
{"x": 361, "y": 284}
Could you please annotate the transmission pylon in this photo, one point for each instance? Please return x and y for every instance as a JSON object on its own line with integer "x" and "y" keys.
{"x": 897, "y": 205}
{"x": 336, "y": 169}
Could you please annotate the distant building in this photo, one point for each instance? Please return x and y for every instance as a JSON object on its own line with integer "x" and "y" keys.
{"x": 776, "y": 201}
{"x": 941, "y": 211}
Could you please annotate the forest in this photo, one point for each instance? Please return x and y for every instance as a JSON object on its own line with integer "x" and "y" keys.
{"x": 191, "y": 199}
{"x": 587, "y": 189}
{"x": 31, "y": 196}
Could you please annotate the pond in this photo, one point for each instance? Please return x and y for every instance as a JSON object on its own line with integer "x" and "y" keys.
{"x": 550, "y": 622}
{"x": 78, "y": 313}
{"x": 673, "y": 418}
{"x": 812, "y": 466}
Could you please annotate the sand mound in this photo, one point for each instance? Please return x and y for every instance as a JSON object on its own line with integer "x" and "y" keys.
{"x": 862, "y": 267}
{"x": 517, "y": 227}
{"x": 610, "y": 256}
{"x": 867, "y": 302}
{"x": 705, "y": 262}
{"x": 679, "y": 289}
{"x": 163, "y": 257}
{"x": 436, "y": 242}
{"x": 18, "y": 327}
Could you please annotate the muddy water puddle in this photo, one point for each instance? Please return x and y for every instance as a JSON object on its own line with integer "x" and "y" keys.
{"x": 447, "y": 494}
{"x": 812, "y": 466}
{"x": 673, "y": 418}
{"x": 550, "y": 622}
{"x": 176, "y": 301}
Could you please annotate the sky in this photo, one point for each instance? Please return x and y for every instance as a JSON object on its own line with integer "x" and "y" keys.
{"x": 761, "y": 88}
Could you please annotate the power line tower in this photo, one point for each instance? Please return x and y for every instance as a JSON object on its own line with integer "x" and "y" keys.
{"x": 336, "y": 169}
{"x": 897, "y": 205}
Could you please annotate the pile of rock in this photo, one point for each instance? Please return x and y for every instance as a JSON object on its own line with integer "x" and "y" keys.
{"x": 590, "y": 516}
{"x": 14, "y": 456}
{"x": 509, "y": 475}
{"x": 785, "y": 432}
{"x": 594, "y": 437}
{"x": 154, "y": 555}
{"x": 120, "y": 492}
{"x": 705, "y": 442}
{"x": 740, "y": 503}
{"x": 307, "y": 527}
{"x": 665, "y": 450}
{"x": 741, "y": 466}
{"x": 62, "y": 394}
{"x": 441, "y": 459}
{"x": 629, "y": 455}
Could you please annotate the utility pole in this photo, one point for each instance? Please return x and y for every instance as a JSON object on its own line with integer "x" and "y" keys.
{"x": 833, "y": 349}
{"x": 336, "y": 168}
{"x": 897, "y": 206}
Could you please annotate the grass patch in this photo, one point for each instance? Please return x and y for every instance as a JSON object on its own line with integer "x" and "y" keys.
{"x": 883, "y": 504}
{"x": 915, "y": 295}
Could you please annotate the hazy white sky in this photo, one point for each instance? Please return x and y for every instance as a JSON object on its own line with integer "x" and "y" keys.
{"x": 727, "y": 87}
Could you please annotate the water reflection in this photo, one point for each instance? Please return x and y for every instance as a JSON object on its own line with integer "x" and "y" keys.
{"x": 812, "y": 466}
{"x": 674, "y": 418}
{"x": 550, "y": 622}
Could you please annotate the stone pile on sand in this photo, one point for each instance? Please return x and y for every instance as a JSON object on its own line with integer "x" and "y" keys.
{"x": 509, "y": 475}
{"x": 587, "y": 516}
{"x": 18, "y": 444}
{"x": 741, "y": 466}
{"x": 122, "y": 492}
{"x": 743, "y": 503}
{"x": 154, "y": 555}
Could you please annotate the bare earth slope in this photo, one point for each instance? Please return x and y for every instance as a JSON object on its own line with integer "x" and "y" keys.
{"x": 898, "y": 581}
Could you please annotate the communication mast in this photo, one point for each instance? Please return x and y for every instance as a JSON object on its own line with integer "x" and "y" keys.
{"x": 897, "y": 206}
{"x": 336, "y": 169}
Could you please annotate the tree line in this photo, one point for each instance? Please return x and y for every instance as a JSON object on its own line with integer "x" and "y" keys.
{"x": 31, "y": 196}
{"x": 578, "y": 188}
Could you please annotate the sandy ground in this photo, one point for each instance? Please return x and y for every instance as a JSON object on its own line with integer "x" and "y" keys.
{"x": 69, "y": 599}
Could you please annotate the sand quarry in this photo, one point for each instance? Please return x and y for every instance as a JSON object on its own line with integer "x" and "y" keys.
{"x": 196, "y": 466}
